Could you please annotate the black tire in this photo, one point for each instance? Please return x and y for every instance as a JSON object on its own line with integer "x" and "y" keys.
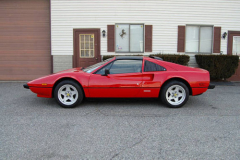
{"x": 75, "y": 93}
{"x": 175, "y": 89}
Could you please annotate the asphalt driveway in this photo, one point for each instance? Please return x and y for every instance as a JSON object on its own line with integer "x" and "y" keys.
{"x": 207, "y": 127}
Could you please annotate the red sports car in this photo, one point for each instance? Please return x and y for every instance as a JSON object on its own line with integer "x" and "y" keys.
{"x": 124, "y": 77}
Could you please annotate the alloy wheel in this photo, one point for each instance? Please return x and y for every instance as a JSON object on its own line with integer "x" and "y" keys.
{"x": 175, "y": 95}
{"x": 67, "y": 94}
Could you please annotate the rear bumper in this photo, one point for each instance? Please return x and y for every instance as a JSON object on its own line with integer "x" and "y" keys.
{"x": 26, "y": 86}
{"x": 211, "y": 86}
{"x": 198, "y": 91}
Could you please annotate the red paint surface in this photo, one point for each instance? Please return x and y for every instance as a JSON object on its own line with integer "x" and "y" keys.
{"x": 42, "y": 92}
{"x": 130, "y": 85}
{"x": 197, "y": 91}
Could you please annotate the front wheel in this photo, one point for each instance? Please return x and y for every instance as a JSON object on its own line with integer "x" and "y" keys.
{"x": 174, "y": 94}
{"x": 68, "y": 94}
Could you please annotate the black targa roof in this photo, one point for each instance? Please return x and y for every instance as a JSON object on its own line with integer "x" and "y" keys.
{"x": 130, "y": 57}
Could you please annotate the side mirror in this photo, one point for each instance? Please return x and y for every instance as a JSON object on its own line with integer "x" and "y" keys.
{"x": 106, "y": 72}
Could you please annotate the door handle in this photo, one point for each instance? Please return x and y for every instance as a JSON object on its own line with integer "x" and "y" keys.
{"x": 96, "y": 58}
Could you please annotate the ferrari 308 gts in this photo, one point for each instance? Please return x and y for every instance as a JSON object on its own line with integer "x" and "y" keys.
{"x": 124, "y": 77}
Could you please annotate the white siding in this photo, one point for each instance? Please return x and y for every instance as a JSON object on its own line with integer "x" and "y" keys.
{"x": 164, "y": 15}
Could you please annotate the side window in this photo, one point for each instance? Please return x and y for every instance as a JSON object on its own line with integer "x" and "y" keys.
{"x": 150, "y": 67}
{"x": 126, "y": 66}
{"x": 102, "y": 70}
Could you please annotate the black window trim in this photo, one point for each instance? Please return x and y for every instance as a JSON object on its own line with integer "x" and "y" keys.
{"x": 120, "y": 60}
{"x": 104, "y": 66}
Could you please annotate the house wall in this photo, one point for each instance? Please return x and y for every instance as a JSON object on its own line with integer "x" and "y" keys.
{"x": 164, "y": 15}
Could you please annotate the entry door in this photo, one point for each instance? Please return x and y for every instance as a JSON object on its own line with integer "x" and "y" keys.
{"x": 236, "y": 45}
{"x": 234, "y": 49}
{"x": 233, "y": 43}
{"x": 86, "y": 47}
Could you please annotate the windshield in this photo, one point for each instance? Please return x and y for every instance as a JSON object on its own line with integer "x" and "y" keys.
{"x": 95, "y": 66}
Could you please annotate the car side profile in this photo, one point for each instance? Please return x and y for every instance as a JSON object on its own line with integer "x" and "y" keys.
{"x": 124, "y": 77}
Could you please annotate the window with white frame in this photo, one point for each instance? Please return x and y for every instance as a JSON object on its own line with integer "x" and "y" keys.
{"x": 129, "y": 38}
{"x": 236, "y": 45}
{"x": 199, "y": 39}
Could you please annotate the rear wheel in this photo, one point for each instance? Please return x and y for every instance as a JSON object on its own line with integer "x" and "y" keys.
{"x": 68, "y": 94}
{"x": 174, "y": 94}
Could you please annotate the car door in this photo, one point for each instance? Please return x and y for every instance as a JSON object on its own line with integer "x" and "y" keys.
{"x": 124, "y": 80}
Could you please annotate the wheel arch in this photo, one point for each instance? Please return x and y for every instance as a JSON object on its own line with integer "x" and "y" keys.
{"x": 63, "y": 79}
{"x": 178, "y": 79}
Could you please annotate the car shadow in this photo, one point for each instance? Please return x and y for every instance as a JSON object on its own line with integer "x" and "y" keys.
{"x": 124, "y": 101}
{"x": 100, "y": 102}
{"x": 108, "y": 103}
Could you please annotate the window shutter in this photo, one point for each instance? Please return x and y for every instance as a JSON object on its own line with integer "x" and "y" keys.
{"x": 181, "y": 39}
{"x": 217, "y": 40}
{"x": 148, "y": 38}
{"x": 110, "y": 38}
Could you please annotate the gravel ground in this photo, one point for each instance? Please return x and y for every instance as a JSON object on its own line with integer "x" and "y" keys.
{"x": 207, "y": 127}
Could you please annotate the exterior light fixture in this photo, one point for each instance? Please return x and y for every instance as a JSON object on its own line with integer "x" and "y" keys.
{"x": 103, "y": 33}
{"x": 224, "y": 35}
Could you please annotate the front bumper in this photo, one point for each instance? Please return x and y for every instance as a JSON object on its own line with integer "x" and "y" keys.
{"x": 211, "y": 86}
{"x": 26, "y": 86}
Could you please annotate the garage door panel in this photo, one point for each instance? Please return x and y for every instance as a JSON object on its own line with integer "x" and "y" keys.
{"x": 19, "y": 12}
{"x": 20, "y": 77}
{"x": 24, "y": 63}
{"x": 24, "y": 33}
{"x": 25, "y": 46}
{"x": 19, "y": 15}
{"x": 24, "y": 4}
{"x": 24, "y": 71}
{"x": 24, "y": 57}
{"x": 32, "y": 29}
{"x": 25, "y": 40}
{"x": 25, "y": 51}
{"x": 21, "y": 60}
{"x": 25, "y": 19}
{"x": 23, "y": 24}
